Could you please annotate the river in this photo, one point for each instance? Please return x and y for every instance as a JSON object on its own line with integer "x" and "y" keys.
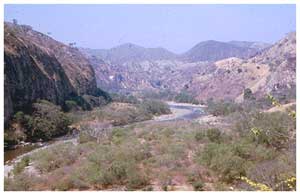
{"x": 180, "y": 111}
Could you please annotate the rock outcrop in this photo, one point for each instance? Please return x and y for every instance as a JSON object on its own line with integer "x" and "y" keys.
{"x": 39, "y": 67}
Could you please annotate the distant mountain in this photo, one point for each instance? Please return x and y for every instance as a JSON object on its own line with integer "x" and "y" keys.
{"x": 211, "y": 69}
{"x": 216, "y": 50}
{"x": 129, "y": 52}
{"x": 254, "y": 45}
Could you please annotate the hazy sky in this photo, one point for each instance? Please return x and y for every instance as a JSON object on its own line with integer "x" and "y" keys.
{"x": 175, "y": 27}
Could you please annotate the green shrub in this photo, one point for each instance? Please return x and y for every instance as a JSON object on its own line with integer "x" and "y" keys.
{"x": 272, "y": 129}
{"x": 47, "y": 121}
{"x": 222, "y": 159}
{"x": 198, "y": 185}
{"x": 243, "y": 149}
{"x": 20, "y": 166}
{"x": 155, "y": 107}
{"x": 222, "y": 108}
{"x": 85, "y": 137}
{"x": 185, "y": 97}
{"x": 275, "y": 171}
{"x": 213, "y": 134}
{"x": 124, "y": 98}
{"x": 95, "y": 101}
{"x": 70, "y": 105}
{"x": 13, "y": 136}
{"x": 47, "y": 160}
{"x": 20, "y": 182}
{"x": 200, "y": 135}
{"x": 116, "y": 164}
{"x": 62, "y": 185}
{"x": 248, "y": 95}
{"x": 230, "y": 167}
{"x": 19, "y": 117}
{"x": 100, "y": 93}
{"x": 136, "y": 180}
{"x": 164, "y": 94}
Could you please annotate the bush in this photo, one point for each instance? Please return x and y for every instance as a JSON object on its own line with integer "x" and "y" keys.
{"x": 19, "y": 117}
{"x": 93, "y": 101}
{"x": 271, "y": 129}
{"x": 124, "y": 98}
{"x": 164, "y": 94}
{"x": 70, "y": 105}
{"x": 213, "y": 134}
{"x": 103, "y": 94}
{"x": 230, "y": 167}
{"x": 47, "y": 121}
{"x": 47, "y": 160}
{"x": 198, "y": 185}
{"x": 20, "y": 166}
{"x": 221, "y": 158}
{"x": 85, "y": 137}
{"x": 248, "y": 95}
{"x": 199, "y": 136}
{"x": 80, "y": 101}
{"x": 21, "y": 182}
{"x": 185, "y": 97}
{"x": 155, "y": 107}
{"x": 222, "y": 108}
{"x": 136, "y": 180}
{"x": 274, "y": 172}
{"x": 116, "y": 165}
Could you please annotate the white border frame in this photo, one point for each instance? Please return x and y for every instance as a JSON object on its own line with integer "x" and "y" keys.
{"x": 3, "y": 2}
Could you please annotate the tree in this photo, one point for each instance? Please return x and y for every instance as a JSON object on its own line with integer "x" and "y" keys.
{"x": 15, "y": 21}
{"x": 248, "y": 95}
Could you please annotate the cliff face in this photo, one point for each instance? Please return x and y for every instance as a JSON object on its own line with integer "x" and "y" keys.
{"x": 77, "y": 68}
{"x": 31, "y": 74}
{"x": 38, "y": 67}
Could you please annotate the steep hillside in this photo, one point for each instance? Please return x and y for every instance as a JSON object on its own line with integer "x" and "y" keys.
{"x": 38, "y": 67}
{"x": 31, "y": 73}
{"x": 75, "y": 65}
{"x": 270, "y": 71}
{"x": 281, "y": 58}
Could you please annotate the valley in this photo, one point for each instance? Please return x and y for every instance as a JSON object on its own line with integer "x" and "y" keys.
{"x": 219, "y": 117}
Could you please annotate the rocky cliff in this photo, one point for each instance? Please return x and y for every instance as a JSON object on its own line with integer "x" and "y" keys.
{"x": 75, "y": 65}
{"x": 39, "y": 67}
